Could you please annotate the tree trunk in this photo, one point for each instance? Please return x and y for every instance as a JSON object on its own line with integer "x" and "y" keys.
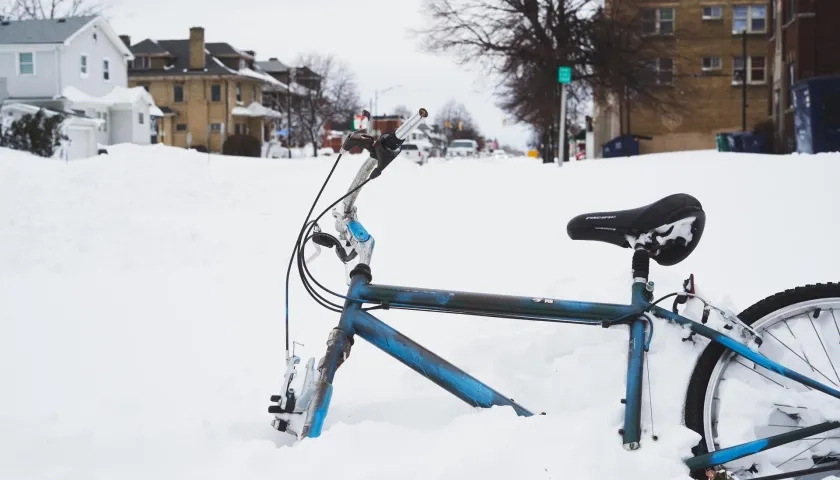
{"x": 314, "y": 145}
{"x": 547, "y": 152}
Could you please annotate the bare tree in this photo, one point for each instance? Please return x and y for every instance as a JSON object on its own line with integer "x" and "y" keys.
{"x": 523, "y": 42}
{"x": 402, "y": 111}
{"x": 456, "y": 122}
{"x": 327, "y": 92}
{"x": 50, "y": 9}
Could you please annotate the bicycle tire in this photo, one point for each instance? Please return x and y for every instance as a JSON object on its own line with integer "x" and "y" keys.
{"x": 698, "y": 385}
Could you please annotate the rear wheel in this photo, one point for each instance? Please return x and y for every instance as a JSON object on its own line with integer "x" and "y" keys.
{"x": 732, "y": 401}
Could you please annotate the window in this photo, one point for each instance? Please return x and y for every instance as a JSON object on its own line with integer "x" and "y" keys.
{"x": 215, "y": 127}
{"x": 756, "y": 70}
{"x": 712, "y": 12}
{"x": 140, "y": 118}
{"x": 26, "y": 63}
{"x": 106, "y": 70}
{"x": 254, "y": 93}
{"x": 104, "y": 117}
{"x": 141, "y": 62}
{"x": 215, "y": 93}
{"x": 181, "y": 127}
{"x": 662, "y": 71}
{"x": 240, "y": 129}
{"x": 242, "y": 64}
{"x": 83, "y": 66}
{"x": 658, "y": 21}
{"x": 178, "y": 92}
{"x": 752, "y": 18}
{"x": 238, "y": 92}
{"x": 711, "y": 63}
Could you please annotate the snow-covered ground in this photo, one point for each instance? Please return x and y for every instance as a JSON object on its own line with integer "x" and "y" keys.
{"x": 141, "y": 307}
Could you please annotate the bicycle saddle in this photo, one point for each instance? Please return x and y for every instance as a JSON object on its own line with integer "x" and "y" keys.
{"x": 669, "y": 229}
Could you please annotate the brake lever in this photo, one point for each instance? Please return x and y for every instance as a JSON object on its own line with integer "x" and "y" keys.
{"x": 329, "y": 241}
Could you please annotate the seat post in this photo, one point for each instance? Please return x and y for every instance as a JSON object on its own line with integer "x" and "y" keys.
{"x": 641, "y": 266}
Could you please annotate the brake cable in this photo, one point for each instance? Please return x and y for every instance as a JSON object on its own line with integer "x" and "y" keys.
{"x": 302, "y": 239}
{"x": 297, "y": 243}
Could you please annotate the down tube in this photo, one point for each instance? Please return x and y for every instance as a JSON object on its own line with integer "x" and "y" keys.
{"x": 421, "y": 360}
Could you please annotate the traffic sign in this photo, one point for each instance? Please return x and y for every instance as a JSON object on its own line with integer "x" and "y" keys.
{"x": 564, "y": 75}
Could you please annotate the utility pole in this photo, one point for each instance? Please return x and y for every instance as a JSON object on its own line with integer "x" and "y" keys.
{"x": 744, "y": 81}
{"x": 289, "y": 108}
{"x": 564, "y": 77}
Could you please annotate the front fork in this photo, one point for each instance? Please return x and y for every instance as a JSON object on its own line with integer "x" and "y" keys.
{"x": 338, "y": 349}
{"x": 306, "y": 416}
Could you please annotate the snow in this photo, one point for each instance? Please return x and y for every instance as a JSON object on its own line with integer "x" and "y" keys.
{"x": 141, "y": 305}
{"x": 117, "y": 96}
{"x": 255, "y": 110}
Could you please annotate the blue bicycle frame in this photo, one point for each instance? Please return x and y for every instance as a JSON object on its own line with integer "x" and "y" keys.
{"x": 357, "y": 321}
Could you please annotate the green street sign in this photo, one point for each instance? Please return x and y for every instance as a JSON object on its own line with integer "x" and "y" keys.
{"x": 564, "y": 75}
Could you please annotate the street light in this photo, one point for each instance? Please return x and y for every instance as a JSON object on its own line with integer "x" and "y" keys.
{"x": 375, "y": 101}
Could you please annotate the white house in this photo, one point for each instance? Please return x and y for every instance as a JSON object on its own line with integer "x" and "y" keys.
{"x": 80, "y": 63}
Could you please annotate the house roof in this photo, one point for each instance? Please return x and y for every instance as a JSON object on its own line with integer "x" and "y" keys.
{"x": 41, "y": 31}
{"x": 223, "y": 49}
{"x": 148, "y": 47}
{"x": 272, "y": 65}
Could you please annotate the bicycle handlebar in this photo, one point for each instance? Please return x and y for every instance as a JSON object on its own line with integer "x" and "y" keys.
{"x": 383, "y": 150}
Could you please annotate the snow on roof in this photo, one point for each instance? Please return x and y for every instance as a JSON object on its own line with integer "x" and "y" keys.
{"x": 255, "y": 110}
{"x": 247, "y": 72}
{"x": 117, "y": 96}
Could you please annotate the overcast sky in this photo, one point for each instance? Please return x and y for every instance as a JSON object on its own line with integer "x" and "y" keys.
{"x": 371, "y": 36}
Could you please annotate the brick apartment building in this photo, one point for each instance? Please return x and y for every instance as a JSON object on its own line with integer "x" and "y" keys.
{"x": 803, "y": 42}
{"x": 704, "y": 74}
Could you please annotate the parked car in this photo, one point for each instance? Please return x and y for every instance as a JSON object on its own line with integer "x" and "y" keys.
{"x": 462, "y": 148}
{"x": 414, "y": 153}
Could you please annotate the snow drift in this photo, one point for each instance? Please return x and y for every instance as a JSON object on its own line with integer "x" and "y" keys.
{"x": 141, "y": 307}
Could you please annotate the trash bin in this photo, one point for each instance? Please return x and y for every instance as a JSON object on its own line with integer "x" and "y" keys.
{"x": 622, "y": 146}
{"x": 754, "y": 142}
{"x": 736, "y": 141}
{"x": 722, "y": 142}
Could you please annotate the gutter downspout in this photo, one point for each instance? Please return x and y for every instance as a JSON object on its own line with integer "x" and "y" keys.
{"x": 58, "y": 49}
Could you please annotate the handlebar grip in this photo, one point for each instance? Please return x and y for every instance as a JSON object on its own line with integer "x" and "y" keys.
{"x": 411, "y": 124}
{"x": 395, "y": 139}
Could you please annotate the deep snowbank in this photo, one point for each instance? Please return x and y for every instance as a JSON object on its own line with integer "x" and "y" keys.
{"x": 141, "y": 307}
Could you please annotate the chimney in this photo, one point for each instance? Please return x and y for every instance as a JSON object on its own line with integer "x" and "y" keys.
{"x": 126, "y": 40}
{"x": 197, "y": 48}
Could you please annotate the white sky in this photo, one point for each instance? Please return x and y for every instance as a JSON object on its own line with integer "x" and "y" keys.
{"x": 371, "y": 36}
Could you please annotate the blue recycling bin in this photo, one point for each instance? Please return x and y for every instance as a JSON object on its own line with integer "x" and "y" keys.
{"x": 736, "y": 141}
{"x": 621, "y": 146}
{"x": 816, "y": 114}
{"x": 755, "y": 143}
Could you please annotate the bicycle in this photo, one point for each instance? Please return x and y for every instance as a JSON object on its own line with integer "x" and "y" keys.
{"x": 666, "y": 231}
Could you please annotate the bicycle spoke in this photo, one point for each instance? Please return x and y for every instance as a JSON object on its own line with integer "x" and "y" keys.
{"x": 804, "y": 359}
{"x": 835, "y": 321}
{"x": 800, "y": 453}
{"x": 817, "y": 370}
{"x": 785, "y": 321}
{"x": 823, "y": 347}
{"x": 759, "y": 373}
